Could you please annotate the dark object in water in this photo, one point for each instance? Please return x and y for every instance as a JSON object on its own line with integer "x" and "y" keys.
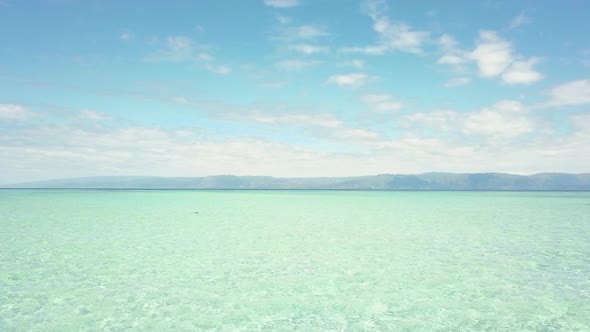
{"x": 196, "y": 212}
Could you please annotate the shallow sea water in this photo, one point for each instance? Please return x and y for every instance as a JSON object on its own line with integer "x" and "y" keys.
{"x": 88, "y": 260}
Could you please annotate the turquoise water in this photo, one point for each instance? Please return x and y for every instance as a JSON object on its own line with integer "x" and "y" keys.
{"x": 75, "y": 260}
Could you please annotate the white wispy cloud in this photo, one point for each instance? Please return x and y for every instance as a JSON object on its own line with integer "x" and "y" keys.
{"x": 273, "y": 84}
{"x": 295, "y": 64}
{"x": 218, "y": 69}
{"x": 177, "y": 49}
{"x": 326, "y": 120}
{"x": 352, "y": 79}
{"x": 284, "y": 19}
{"x": 306, "y": 32}
{"x": 282, "y": 3}
{"x": 519, "y": 20}
{"x": 392, "y": 35}
{"x": 457, "y": 81}
{"x": 309, "y": 49}
{"x": 183, "y": 49}
{"x": 452, "y": 54}
{"x": 125, "y": 36}
{"x": 15, "y": 112}
{"x": 381, "y": 103}
{"x": 93, "y": 115}
{"x": 354, "y": 63}
{"x": 332, "y": 126}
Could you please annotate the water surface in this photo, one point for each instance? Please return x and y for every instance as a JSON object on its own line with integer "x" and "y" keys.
{"x": 77, "y": 260}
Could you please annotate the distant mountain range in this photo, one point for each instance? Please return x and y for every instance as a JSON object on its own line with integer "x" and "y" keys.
{"x": 426, "y": 181}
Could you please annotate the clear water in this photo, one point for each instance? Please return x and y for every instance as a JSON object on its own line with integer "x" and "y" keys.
{"x": 301, "y": 260}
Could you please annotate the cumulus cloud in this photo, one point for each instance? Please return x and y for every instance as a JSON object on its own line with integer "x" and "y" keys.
{"x": 392, "y": 35}
{"x": 493, "y": 56}
{"x": 502, "y": 122}
{"x": 282, "y": 3}
{"x": 522, "y": 72}
{"x": 352, "y": 79}
{"x": 14, "y": 112}
{"x": 571, "y": 93}
{"x": 52, "y": 151}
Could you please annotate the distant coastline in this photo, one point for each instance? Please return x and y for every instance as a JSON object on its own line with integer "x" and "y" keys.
{"x": 438, "y": 181}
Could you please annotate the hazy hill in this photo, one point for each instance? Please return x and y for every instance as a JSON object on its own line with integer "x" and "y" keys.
{"x": 426, "y": 181}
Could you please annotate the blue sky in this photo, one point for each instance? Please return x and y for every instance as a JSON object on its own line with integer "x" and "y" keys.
{"x": 292, "y": 87}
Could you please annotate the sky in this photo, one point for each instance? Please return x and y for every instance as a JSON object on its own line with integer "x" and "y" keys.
{"x": 294, "y": 88}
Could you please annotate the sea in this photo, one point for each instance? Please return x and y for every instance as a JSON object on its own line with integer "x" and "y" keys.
{"x": 254, "y": 260}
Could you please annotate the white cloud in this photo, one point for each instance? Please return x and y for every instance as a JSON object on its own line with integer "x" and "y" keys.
{"x": 353, "y": 79}
{"x": 332, "y": 126}
{"x": 282, "y": 3}
{"x": 441, "y": 120}
{"x": 522, "y": 72}
{"x": 308, "y": 49}
{"x": 14, "y": 112}
{"x": 457, "y": 81}
{"x": 571, "y": 93}
{"x": 492, "y": 54}
{"x": 126, "y": 36}
{"x": 504, "y": 120}
{"x": 381, "y": 103}
{"x": 295, "y": 64}
{"x": 497, "y": 124}
{"x": 451, "y": 60}
{"x": 447, "y": 42}
{"x": 93, "y": 115}
{"x": 393, "y": 36}
{"x": 307, "y": 32}
{"x": 322, "y": 120}
{"x": 369, "y": 50}
{"x": 357, "y": 63}
{"x": 65, "y": 151}
{"x": 452, "y": 55}
{"x": 182, "y": 49}
{"x": 177, "y": 49}
{"x": 273, "y": 84}
{"x": 519, "y": 20}
{"x": 218, "y": 69}
{"x": 355, "y": 134}
{"x": 284, "y": 19}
